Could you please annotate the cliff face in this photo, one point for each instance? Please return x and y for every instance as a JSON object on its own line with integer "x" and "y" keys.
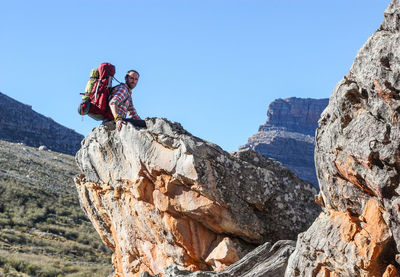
{"x": 358, "y": 167}
{"x": 159, "y": 196}
{"x": 19, "y": 123}
{"x": 297, "y": 115}
{"x": 288, "y": 134}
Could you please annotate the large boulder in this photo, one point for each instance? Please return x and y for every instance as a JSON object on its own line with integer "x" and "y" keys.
{"x": 358, "y": 167}
{"x": 159, "y": 196}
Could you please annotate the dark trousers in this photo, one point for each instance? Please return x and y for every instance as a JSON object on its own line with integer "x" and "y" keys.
{"x": 136, "y": 122}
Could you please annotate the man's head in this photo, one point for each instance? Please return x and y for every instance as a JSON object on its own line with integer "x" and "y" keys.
{"x": 131, "y": 78}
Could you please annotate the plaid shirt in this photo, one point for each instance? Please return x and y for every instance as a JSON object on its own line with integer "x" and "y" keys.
{"x": 121, "y": 97}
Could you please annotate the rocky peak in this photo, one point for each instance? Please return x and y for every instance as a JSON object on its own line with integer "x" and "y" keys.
{"x": 19, "y": 123}
{"x": 297, "y": 115}
{"x": 159, "y": 196}
{"x": 392, "y": 20}
{"x": 288, "y": 134}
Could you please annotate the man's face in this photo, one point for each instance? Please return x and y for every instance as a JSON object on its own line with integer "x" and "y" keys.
{"x": 132, "y": 79}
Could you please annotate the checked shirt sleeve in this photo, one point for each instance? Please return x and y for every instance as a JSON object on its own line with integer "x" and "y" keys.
{"x": 119, "y": 94}
{"x": 122, "y": 99}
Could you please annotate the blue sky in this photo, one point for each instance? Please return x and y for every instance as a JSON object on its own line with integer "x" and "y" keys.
{"x": 212, "y": 65}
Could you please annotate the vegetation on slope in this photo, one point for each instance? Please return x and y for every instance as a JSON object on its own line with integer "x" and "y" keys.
{"x": 43, "y": 230}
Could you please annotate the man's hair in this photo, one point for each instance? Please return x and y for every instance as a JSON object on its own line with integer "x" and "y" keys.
{"x": 132, "y": 70}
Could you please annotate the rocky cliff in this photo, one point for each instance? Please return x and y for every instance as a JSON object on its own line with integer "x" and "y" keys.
{"x": 297, "y": 115}
{"x": 19, "y": 123}
{"x": 358, "y": 166}
{"x": 288, "y": 134}
{"x": 159, "y": 196}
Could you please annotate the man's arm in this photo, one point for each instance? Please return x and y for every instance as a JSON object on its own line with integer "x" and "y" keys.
{"x": 113, "y": 108}
{"x": 116, "y": 99}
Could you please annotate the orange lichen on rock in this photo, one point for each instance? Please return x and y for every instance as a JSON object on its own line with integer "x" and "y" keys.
{"x": 371, "y": 240}
{"x": 323, "y": 271}
{"x": 143, "y": 190}
{"x": 349, "y": 226}
{"x": 198, "y": 247}
{"x": 390, "y": 271}
{"x": 193, "y": 237}
{"x": 223, "y": 255}
{"x": 159, "y": 196}
{"x": 387, "y": 96}
{"x": 369, "y": 233}
{"x": 346, "y": 169}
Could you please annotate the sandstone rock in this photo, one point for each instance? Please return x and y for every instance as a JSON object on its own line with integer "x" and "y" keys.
{"x": 288, "y": 134}
{"x": 357, "y": 158}
{"x": 160, "y": 196}
{"x": 19, "y": 123}
{"x": 266, "y": 260}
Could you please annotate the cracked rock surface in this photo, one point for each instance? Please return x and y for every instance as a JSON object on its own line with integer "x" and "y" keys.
{"x": 160, "y": 196}
{"x": 357, "y": 158}
{"x": 267, "y": 260}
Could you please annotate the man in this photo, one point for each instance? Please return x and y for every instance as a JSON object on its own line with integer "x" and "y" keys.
{"x": 121, "y": 99}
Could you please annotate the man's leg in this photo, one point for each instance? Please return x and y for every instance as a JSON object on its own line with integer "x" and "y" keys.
{"x": 136, "y": 122}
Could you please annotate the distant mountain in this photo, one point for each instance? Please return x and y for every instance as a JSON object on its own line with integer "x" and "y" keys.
{"x": 288, "y": 134}
{"x": 19, "y": 123}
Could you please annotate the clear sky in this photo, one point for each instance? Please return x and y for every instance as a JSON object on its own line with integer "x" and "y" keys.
{"x": 212, "y": 65}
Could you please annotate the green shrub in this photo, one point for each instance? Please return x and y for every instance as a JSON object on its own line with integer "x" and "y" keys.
{"x": 6, "y": 268}
{"x": 18, "y": 265}
{"x": 32, "y": 269}
{"x": 2, "y": 261}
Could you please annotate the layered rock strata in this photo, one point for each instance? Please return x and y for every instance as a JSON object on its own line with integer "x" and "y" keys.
{"x": 288, "y": 134}
{"x": 160, "y": 196}
{"x": 358, "y": 167}
{"x": 19, "y": 123}
{"x": 297, "y": 115}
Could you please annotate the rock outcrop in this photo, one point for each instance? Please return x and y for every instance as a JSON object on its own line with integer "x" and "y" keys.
{"x": 288, "y": 134}
{"x": 19, "y": 123}
{"x": 358, "y": 167}
{"x": 160, "y": 196}
{"x": 267, "y": 260}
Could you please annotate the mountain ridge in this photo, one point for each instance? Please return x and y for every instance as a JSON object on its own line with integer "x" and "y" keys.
{"x": 288, "y": 134}
{"x": 20, "y": 123}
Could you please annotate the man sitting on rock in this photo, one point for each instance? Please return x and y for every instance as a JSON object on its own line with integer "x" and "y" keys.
{"x": 121, "y": 101}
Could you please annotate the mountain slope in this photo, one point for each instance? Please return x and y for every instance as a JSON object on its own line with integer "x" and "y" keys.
{"x": 19, "y": 123}
{"x": 43, "y": 230}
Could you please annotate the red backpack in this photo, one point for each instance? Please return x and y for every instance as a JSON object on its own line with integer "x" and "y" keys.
{"x": 96, "y": 96}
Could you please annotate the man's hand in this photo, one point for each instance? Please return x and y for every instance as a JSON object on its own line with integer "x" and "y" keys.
{"x": 119, "y": 123}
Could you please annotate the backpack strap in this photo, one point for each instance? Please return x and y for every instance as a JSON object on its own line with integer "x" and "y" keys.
{"x": 116, "y": 80}
{"x": 97, "y": 88}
